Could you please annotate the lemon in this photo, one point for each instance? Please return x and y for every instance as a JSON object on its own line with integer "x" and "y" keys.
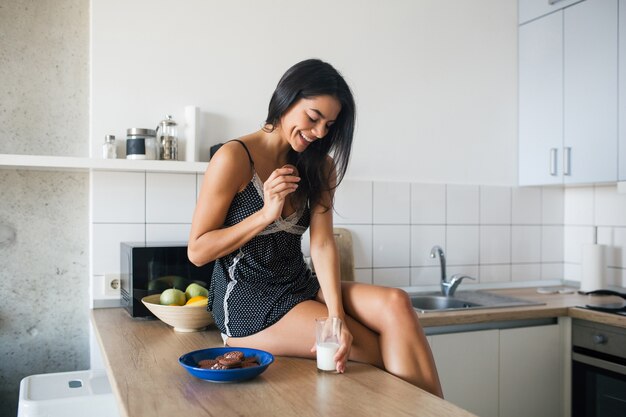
{"x": 199, "y": 300}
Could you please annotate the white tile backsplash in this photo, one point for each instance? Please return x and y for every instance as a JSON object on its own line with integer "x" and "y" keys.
{"x": 551, "y": 271}
{"x": 574, "y": 237}
{"x": 361, "y": 244}
{"x": 391, "y": 246}
{"x": 610, "y": 207}
{"x": 118, "y": 197}
{"x": 579, "y": 206}
{"x": 106, "y": 240}
{"x": 551, "y": 243}
{"x": 392, "y": 277}
{"x": 526, "y": 205}
{"x": 423, "y": 238}
{"x": 363, "y": 275}
{"x": 392, "y": 203}
{"x": 353, "y": 203}
{"x": 428, "y": 204}
{"x": 525, "y": 272}
{"x": 462, "y": 204}
{"x": 494, "y": 273}
{"x": 462, "y": 243}
{"x": 167, "y": 232}
{"x": 552, "y": 205}
{"x": 495, "y": 205}
{"x": 170, "y": 198}
{"x": 425, "y": 275}
{"x": 498, "y": 234}
{"x": 495, "y": 244}
{"x": 525, "y": 244}
{"x": 615, "y": 240}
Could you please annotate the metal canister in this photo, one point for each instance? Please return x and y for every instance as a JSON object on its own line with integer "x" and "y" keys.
{"x": 149, "y": 138}
{"x": 167, "y": 137}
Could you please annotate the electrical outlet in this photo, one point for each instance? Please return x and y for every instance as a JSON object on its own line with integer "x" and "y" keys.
{"x": 112, "y": 285}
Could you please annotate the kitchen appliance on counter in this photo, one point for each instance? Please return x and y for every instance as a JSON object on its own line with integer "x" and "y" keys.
{"x": 150, "y": 268}
{"x": 618, "y": 307}
{"x": 598, "y": 370}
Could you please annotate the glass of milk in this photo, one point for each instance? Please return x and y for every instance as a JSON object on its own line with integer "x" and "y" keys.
{"x": 327, "y": 336}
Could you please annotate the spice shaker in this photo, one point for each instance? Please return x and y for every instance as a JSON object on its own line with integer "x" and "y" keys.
{"x": 167, "y": 138}
{"x": 109, "y": 150}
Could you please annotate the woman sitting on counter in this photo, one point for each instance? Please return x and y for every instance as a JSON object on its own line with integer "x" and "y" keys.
{"x": 260, "y": 194}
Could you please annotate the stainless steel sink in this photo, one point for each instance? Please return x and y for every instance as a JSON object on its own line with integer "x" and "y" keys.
{"x": 439, "y": 302}
{"x": 464, "y": 300}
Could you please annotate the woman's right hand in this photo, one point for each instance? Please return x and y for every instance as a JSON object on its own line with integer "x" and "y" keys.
{"x": 282, "y": 182}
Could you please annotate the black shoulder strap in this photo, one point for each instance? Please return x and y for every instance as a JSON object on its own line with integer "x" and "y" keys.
{"x": 246, "y": 148}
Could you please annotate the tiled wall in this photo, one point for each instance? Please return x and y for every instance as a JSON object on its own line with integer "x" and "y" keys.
{"x": 586, "y": 209}
{"x": 138, "y": 207}
{"x": 499, "y": 235}
{"x": 495, "y": 234}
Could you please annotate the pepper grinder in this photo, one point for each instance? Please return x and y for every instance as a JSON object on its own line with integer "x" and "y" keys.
{"x": 167, "y": 138}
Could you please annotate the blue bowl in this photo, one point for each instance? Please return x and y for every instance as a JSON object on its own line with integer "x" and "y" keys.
{"x": 190, "y": 360}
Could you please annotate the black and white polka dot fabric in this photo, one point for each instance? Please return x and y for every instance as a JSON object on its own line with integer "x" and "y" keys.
{"x": 256, "y": 285}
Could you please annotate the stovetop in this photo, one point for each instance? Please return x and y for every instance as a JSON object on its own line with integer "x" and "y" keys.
{"x": 621, "y": 312}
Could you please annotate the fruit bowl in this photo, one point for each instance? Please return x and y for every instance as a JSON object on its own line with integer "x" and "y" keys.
{"x": 181, "y": 318}
{"x": 190, "y": 360}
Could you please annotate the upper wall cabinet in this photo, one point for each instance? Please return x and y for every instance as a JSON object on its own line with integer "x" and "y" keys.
{"x": 532, "y": 9}
{"x": 622, "y": 90}
{"x": 540, "y": 99}
{"x": 568, "y": 95}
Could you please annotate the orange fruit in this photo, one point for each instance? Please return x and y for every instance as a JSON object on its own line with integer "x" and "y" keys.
{"x": 198, "y": 300}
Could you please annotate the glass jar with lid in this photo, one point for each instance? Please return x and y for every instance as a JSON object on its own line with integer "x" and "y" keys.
{"x": 167, "y": 137}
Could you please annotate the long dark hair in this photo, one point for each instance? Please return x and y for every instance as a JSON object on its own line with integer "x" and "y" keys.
{"x": 308, "y": 79}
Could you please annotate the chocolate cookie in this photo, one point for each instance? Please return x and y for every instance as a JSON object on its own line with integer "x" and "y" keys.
{"x": 234, "y": 354}
{"x": 207, "y": 363}
{"x": 230, "y": 362}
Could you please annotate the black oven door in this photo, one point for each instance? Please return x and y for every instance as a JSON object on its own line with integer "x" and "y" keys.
{"x": 598, "y": 386}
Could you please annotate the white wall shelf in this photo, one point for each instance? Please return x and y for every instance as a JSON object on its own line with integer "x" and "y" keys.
{"x": 71, "y": 163}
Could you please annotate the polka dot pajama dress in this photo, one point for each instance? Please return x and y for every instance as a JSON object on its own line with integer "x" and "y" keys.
{"x": 257, "y": 284}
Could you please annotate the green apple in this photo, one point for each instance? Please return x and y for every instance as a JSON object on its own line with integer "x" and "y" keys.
{"x": 172, "y": 296}
{"x": 193, "y": 290}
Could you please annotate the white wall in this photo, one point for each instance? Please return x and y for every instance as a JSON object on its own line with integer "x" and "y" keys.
{"x": 435, "y": 82}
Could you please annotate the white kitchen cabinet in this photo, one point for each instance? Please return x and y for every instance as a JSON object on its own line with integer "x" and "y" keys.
{"x": 590, "y": 92}
{"x": 467, "y": 364}
{"x": 506, "y": 372}
{"x": 530, "y": 372}
{"x": 541, "y": 100}
{"x": 532, "y": 9}
{"x": 622, "y": 90}
{"x": 568, "y": 112}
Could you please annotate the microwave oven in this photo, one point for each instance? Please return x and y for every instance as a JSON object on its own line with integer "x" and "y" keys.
{"x": 150, "y": 268}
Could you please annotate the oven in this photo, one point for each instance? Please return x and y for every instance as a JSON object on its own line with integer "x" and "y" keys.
{"x": 598, "y": 370}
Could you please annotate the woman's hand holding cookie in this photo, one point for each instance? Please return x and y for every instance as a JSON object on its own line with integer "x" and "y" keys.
{"x": 282, "y": 182}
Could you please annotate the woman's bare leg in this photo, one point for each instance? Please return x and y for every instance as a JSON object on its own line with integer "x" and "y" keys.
{"x": 403, "y": 345}
{"x": 294, "y": 335}
{"x": 385, "y": 328}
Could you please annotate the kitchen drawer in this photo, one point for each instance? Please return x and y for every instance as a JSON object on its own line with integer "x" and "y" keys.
{"x": 532, "y": 9}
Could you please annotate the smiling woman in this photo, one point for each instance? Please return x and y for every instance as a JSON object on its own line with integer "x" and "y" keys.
{"x": 252, "y": 211}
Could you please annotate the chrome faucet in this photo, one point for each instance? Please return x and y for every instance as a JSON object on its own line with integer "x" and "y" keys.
{"x": 447, "y": 287}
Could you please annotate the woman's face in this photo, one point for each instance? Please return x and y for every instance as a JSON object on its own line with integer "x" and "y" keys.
{"x": 308, "y": 120}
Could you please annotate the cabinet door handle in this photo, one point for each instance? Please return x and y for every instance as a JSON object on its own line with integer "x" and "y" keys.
{"x": 567, "y": 161}
{"x": 551, "y": 2}
{"x": 553, "y": 152}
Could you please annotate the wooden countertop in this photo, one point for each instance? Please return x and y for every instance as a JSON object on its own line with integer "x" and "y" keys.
{"x": 141, "y": 357}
